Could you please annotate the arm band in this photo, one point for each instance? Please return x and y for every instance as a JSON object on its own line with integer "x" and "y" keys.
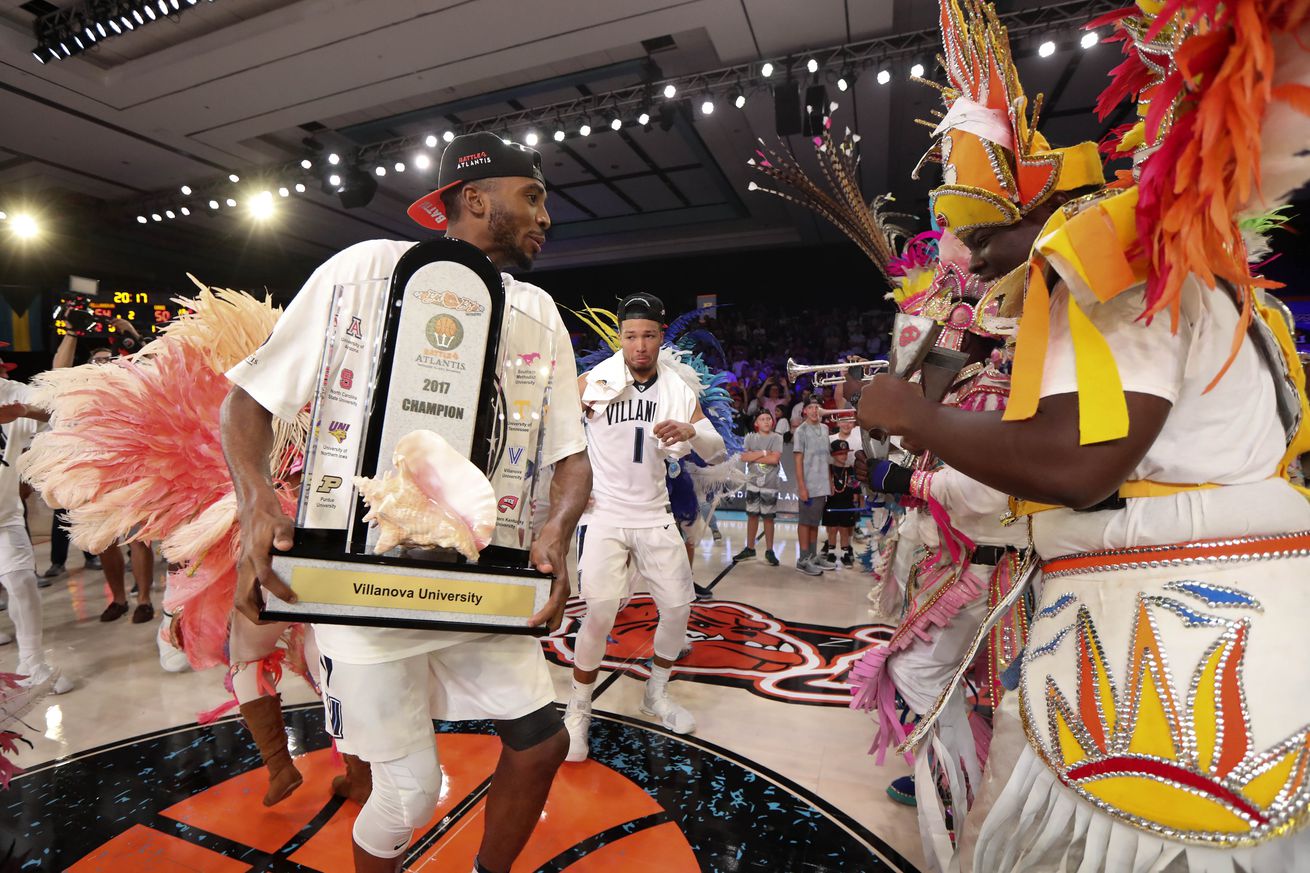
{"x": 707, "y": 443}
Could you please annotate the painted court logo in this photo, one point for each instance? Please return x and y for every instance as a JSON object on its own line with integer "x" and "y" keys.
{"x": 737, "y": 645}
{"x": 445, "y": 333}
{"x": 338, "y": 430}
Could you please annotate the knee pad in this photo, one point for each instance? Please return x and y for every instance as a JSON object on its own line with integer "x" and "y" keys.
{"x": 592, "y": 638}
{"x": 521, "y": 734}
{"x": 405, "y": 794}
{"x": 671, "y": 632}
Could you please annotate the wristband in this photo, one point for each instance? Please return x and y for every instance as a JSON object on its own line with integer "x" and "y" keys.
{"x": 921, "y": 485}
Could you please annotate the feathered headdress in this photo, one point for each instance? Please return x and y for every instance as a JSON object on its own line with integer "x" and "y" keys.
{"x": 877, "y": 231}
{"x": 996, "y": 167}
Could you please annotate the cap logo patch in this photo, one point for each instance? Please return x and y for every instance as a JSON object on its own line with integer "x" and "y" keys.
{"x": 472, "y": 160}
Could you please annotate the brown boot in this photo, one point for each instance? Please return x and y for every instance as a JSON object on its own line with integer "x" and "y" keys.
{"x": 264, "y": 719}
{"x": 357, "y": 783}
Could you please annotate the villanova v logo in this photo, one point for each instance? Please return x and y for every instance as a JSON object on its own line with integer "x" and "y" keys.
{"x": 515, "y": 455}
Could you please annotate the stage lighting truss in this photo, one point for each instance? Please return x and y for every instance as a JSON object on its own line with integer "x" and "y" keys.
{"x": 591, "y": 115}
{"x": 80, "y": 26}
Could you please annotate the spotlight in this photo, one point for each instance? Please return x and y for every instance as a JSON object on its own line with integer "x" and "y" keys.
{"x": 422, "y": 161}
{"x": 917, "y": 71}
{"x": 233, "y": 178}
{"x": 213, "y": 204}
{"x": 185, "y": 211}
{"x": 25, "y": 226}
{"x": 448, "y": 135}
{"x": 884, "y": 77}
{"x": 430, "y": 141}
{"x": 1090, "y": 38}
{"x": 156, "y": 216}
{"x": 381, "y": 171}
{"x": 113, "y": 25}
{"x": 230, "y": 202}
{"x": 531, "y": 138}
{"x": 399, "y": 167}
{"x": 100, "y": 28}
{"x": 356, "y": 188}
{"x": 300, "y": 188}
{"x": 141, "y": 219}
{"x": 707, "y": 108}
{"x": 643, "y": 119}
{"x": 39, "y": 59}
{"x": 767, "y": 70}
{"x": 136, "y": 13}
{"x": 334, "y": 159}
{"x": 334, "y": 180}
{"x": 170, "y": 213}
{"x": 186, "y": 190}
{"x": 77, "y": 39}
{"x": 739, "y": 100}
{"x": 669, "y": 90}
{"x": 177, "y": 5}
{"x": 127, "y": 22}
{"x": 812, "y": 65}
{"x": 1046, "y": 49}
{"x": 150, "y": 13}
{"x": 261, "y": 207}
{"x": 307, "y": 164}
{"x": 558, "y": 136}
{"x": 842, "y": 84}
{"x": 284, "y": 191}
{"x": 616, "y": 123}
{"x": 584, "y": 130}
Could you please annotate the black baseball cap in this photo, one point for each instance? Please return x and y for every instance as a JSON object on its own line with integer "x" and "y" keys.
{"x": 646, "y": 307}
{"x": 839, "y": 446}
{"x": 474, "y": 156}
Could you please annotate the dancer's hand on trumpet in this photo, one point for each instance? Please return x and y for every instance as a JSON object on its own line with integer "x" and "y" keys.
{"x": 894, "y": 406}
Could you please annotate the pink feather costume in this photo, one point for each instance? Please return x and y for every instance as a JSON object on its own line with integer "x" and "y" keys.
{"x": 134, "y": 454}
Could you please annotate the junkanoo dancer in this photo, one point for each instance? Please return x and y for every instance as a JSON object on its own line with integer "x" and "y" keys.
{"x": 1154, "y": 410}
{"x": 133, "y": 453}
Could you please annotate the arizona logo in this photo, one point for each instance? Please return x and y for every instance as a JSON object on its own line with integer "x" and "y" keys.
{"x": 507, "y": 503}
{"x": 737, "y": 645}
{"x": 338, "y": 430}
{"x": 356, "y": 328}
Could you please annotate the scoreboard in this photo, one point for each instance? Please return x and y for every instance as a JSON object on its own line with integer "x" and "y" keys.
{"x": 148, "y": 311}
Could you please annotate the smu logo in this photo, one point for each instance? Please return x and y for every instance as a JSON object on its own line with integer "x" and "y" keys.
{"x": 530, "y": 358}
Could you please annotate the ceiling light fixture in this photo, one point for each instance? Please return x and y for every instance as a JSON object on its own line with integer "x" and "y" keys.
{"x": 1090, "y": 38}
{"x": 1046, "y": 49}
{"x": 669, "y": 90}
{"x": 707, "y": 108}
{"x": 917, "y": 71}
{"x": 422, "y": 161}
{"x": 766, "y": 70}
{"x": 430, "y": 141}
{"x": 448, "y": 135}
{"x": 812, "y": 65}
{"x": 884, "y": 76}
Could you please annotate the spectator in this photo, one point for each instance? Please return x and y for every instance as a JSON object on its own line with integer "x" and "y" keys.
{"x": 813, "y": 484}
{"x": 762, "y": 454}
{"x": 842, "y": 505}
{"x": 771, "y": 397}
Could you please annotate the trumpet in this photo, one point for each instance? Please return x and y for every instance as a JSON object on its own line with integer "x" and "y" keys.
{"x": 838, "y": 414}
{"x": 832, "y": 374}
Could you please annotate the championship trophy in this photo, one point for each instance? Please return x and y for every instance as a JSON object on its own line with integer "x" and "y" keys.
{"x": 912, "y": 339}
{"x": 416, "y": 376}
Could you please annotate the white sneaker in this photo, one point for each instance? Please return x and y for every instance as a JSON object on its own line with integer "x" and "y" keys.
{"x": 171, "y": 658}
{"x": 577, "y": 721}
{"x": 42, "y": 673}
{"x": 673, "y": 716}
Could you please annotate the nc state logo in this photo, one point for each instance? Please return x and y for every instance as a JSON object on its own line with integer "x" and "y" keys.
{"x": 909, "y": 335}
{"x": 507, "y": 503}
{"x": 347, "y": 379}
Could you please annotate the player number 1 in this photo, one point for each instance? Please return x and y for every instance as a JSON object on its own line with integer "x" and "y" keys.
{"x": 638, "y": 445}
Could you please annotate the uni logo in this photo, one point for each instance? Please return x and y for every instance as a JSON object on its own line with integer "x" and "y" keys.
{"x": 444, "y": 332}
{"x": 339, "y": 429}
{"x": 356, "y": 328}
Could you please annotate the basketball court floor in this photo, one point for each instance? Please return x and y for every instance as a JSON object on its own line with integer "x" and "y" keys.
{"x": 776, "y": 777}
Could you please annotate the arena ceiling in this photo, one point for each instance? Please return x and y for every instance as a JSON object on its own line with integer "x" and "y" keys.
{"x": 252, "y": 87}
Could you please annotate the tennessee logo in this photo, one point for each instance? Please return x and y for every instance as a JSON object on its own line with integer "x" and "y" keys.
{"x": 338, "y": 430}
{"x": 737, "y": 645}
{"x": 507, "y": 503}
{"x": 530, "y": 358}
{"x": 356, "y": 328}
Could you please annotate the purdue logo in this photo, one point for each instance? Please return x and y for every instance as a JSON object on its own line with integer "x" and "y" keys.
{"x": 445, "y": 333}
{"x": 328, "y": 484}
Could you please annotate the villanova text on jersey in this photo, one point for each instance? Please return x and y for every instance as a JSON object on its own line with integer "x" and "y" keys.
{"x": 630, "y": 410}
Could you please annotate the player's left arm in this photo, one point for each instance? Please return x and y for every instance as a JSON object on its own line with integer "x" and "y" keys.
{"x": 699, "y": 432}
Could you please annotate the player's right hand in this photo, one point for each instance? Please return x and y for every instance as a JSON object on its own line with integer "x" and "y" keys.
{"x": 264, "y": 526}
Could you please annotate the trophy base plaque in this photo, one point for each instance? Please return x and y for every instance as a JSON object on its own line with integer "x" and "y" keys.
{"x": 399, "y": 592}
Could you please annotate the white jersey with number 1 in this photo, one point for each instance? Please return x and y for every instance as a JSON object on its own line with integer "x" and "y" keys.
{"x": 627, "y": 462}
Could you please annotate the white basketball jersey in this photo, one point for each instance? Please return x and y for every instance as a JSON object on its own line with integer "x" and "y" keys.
{"x": 627, "y": 462}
